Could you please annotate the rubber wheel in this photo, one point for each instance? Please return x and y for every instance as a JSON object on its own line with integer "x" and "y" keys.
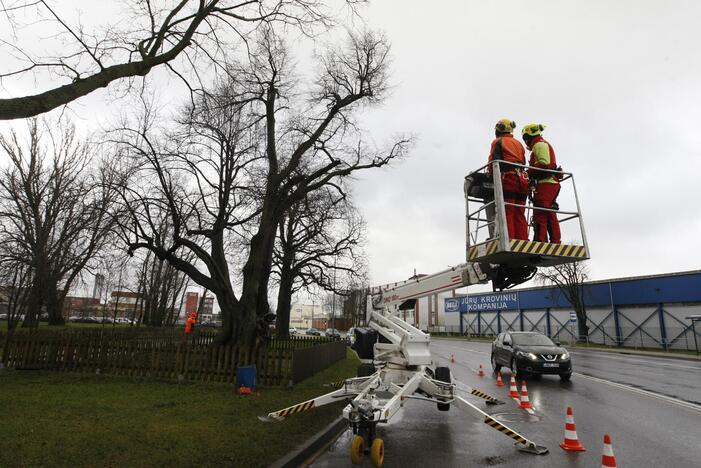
{"x": 514, "y": 369}
{"x": 377, "y": 452}
{"x": 495, "y": 366}
{"x": 357, "y": 447}
{"x": 566, "y": 377}
{"x": 443, "y": 374}
{"x": 365, "y": 370}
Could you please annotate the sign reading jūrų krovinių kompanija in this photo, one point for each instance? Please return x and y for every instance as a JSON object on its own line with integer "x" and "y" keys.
{"x": 482, "y": 302}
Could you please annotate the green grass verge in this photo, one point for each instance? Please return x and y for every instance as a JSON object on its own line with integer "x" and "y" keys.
{"x": 74, "y": 420}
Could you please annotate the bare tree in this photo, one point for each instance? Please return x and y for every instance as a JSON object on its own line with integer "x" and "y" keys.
{"x": 16, "y": 282}
{"x": 54, "y": 211}
{"x": 569, "y": 278}
{"x": 261, "y": 145}
{"x": 140, "y": 36}
{"x": 162, "y": 285}
{"x": 319, "y": 245}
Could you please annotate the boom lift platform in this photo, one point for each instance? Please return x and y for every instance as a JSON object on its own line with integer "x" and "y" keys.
{"x": 396, "y": 359}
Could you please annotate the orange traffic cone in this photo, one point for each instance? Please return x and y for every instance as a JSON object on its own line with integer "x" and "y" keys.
{"x": 525, "y": 402}
{"x": 452, "y": 358}
{"x": 608, "y": 460}
{"x": 513, "y": 389}
{"x": 499, "y": 382}
{"x": 571, "y": 442}
{"x": 481, "y": 372}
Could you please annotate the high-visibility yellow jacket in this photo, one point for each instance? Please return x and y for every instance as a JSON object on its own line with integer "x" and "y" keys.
{"x": 542, "y": 157}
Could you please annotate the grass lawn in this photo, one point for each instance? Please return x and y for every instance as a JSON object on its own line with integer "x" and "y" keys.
{"x": 73, "y": 420}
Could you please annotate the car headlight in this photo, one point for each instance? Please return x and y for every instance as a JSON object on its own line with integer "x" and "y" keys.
{"x": 565, "y": 356}
{"x": 530, "y": 356}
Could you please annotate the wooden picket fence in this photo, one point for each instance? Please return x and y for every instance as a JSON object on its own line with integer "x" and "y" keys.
{"x": 162, "y": 356}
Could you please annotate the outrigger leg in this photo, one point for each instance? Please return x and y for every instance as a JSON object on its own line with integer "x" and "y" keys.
{"x": 522, "y": 444}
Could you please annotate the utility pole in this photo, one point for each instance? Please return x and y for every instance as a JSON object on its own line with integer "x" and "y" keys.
{"x": 333, "y": 304}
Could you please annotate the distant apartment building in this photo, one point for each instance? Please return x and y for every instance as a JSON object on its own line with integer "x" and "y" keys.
{"x": 80, "y": 306}
{"x": 207, "y": 309}
{"x": 123, "y": 304}
{"x": 302, "y": 315}
{"x": 192, "y": 300}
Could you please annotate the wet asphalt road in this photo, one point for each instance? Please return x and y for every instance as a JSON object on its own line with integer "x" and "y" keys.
{"x": 646, "y": 404}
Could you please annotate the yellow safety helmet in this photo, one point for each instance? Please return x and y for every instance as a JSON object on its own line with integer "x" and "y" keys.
{"x": 505, "y": 126}
{"x": 533, "y": 129}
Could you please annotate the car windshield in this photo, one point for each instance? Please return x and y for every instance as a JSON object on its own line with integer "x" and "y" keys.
{"x": 532, "y": 340}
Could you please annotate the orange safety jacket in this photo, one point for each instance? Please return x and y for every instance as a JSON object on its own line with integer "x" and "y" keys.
{"x": 542, "y": 157}
{"x": 189, "y": 323}
{"x": 506, "y": 148}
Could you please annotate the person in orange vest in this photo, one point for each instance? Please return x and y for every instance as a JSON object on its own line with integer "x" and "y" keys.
{"x": 546, "y": 185}
{"x": 190, "y": 323}
{"x": 514, "y": 180}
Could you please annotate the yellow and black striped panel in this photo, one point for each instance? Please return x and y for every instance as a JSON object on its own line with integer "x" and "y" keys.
{"x": 307, "y": 405}
{"x": 490, "y": 421}
{"x": 483, "y": 395}
{"x": 545, "y": 248}
{"x": 488, "y": 248}
{"x": 338, "y": 383}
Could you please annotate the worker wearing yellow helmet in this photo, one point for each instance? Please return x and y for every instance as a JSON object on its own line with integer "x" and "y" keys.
{"x": 514, "y": 181}
{"x": 546, "y": 184}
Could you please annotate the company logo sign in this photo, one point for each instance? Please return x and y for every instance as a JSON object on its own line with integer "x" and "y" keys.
{"x": 482, "y": 302}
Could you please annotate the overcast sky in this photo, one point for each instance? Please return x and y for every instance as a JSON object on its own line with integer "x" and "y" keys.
{"x": 618, "y": 84}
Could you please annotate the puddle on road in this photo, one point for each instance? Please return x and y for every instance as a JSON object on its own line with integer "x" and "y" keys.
{"x": 516, "y": 417}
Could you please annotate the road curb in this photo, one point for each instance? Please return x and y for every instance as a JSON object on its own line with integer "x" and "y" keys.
{"x": 312, "y": 446}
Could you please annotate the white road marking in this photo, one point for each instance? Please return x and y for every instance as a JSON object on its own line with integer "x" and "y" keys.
{"x": 668, "y": 399}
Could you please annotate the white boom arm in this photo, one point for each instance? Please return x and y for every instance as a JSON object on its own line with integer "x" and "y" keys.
{"x": 409, "y": 346}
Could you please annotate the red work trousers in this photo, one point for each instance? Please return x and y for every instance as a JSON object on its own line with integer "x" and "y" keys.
{"x": 515, "y": 192}
{"x": 545, "y": 223}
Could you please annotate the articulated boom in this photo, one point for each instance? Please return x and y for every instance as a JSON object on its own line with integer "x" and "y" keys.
{"x": 396, "y": 357}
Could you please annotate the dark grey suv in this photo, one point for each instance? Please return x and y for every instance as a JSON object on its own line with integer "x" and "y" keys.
{"x": 530, "y": 353}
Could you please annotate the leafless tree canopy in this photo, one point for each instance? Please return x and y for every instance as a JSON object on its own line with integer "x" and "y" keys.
{"x": 319, "y": 244}
{"x": 245, "y": 153}
{"x": 569, "y": 278}
{"x": 132, "y": 38}
{"x": 54, "y": 209}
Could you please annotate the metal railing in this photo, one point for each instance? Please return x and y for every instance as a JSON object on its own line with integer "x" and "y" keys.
{"x": 496, "y": 227}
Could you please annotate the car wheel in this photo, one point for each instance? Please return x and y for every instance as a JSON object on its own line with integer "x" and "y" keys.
{"x": 566, "y": 377}
{"x": 443, "y": 374}
{"x": 514, "y": 369}
{"x": 495, "y": 366}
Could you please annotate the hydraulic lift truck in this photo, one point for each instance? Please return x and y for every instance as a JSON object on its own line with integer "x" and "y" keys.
{"x": 395, "y": 355}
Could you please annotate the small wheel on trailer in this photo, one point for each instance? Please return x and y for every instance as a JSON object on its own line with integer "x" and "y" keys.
{"x": 366, "y": 370}
{"x": 496, "y": 366}
{"x": 357, "y": 449}
{"x": 377, "y": 452}
{"x": 443, "y": 374}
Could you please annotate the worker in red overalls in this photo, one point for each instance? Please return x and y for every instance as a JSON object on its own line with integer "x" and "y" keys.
{"x": 546, "y": 185}
{"x": 190, "y": 323}
{"x": 514, "y": 180}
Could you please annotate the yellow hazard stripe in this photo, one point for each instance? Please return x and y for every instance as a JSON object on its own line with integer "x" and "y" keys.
{"x": 490, "y": 421}
{"x": 489, "y": 248}
{"x": 544, "y": 248}
{"x": 338, "y": 383}
{"x": 482, "y": 395}
{"x": 307, "y": 405}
